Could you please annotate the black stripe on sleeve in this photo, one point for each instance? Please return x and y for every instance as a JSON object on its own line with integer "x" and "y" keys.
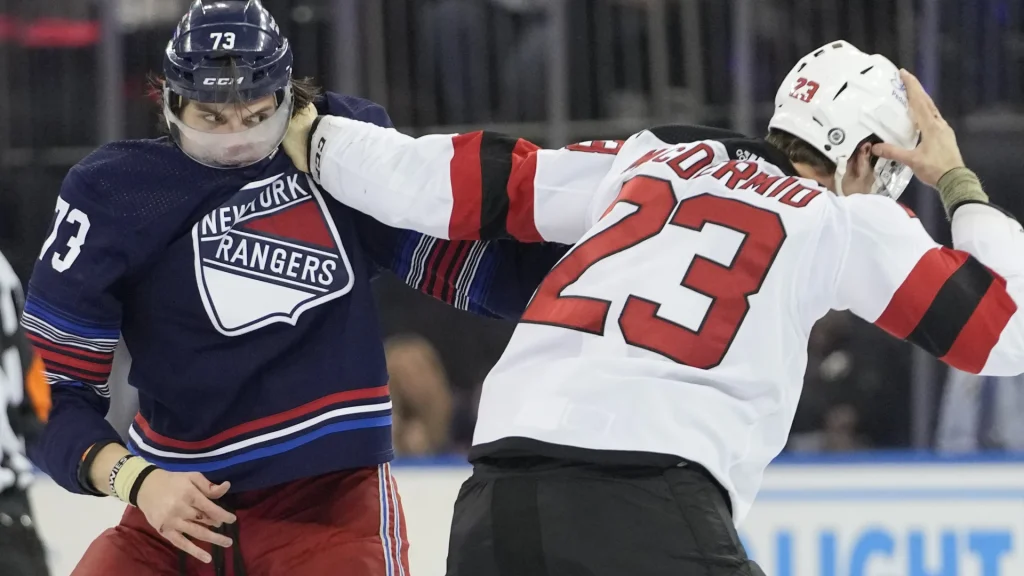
{"x": 495, "y": 170}
{"x": 952, "y": 308}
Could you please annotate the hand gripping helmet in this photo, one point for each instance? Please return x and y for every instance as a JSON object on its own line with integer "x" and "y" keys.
{"x": 228, "y": 51}
{"x": 836, "y": 97}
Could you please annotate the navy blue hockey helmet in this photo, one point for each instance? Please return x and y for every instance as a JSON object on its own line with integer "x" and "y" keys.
{"x": 211, "y": 37}
{"x": 227, "y": 52}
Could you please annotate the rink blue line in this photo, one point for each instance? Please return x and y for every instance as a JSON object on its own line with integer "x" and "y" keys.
{"x": 890, "y": 494}
{"x": 900, "y": 457}
{"x": 835, "y": 494}
{"x": 879, "y": 458}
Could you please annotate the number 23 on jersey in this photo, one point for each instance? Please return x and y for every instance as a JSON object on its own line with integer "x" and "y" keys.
{"x": 728, "y": 287}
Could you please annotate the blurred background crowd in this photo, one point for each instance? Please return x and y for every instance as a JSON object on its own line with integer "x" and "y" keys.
{"x": 73, "y": 75}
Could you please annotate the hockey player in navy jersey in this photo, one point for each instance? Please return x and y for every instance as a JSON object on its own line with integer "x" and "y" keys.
{"x": 243, "y": 295}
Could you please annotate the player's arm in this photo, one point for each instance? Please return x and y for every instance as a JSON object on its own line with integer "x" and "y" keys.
{"x": 960, "y": 305}
{"x": 474, "y": 186}
{"x": 72, "y": 317}
{"x": 491, "y": 278}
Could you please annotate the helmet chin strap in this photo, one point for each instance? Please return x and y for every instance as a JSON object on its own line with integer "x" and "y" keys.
{"x": 840, "y": 174}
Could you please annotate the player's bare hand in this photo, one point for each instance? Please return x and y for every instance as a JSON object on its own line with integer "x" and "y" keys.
{"x": 296, "y": 141}
{"x": 937, "y": 153}
{"x": 180, "y": 504}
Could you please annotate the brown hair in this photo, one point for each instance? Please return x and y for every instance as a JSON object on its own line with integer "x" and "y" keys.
{"x": 799, "y": 151}
{"x": 304, "y": 92}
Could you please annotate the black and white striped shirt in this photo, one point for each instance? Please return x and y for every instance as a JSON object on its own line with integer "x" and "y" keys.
{"x": 15, "y": 359}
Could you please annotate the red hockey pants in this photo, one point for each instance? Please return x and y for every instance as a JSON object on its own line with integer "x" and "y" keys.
{"x": 348, "y": 523}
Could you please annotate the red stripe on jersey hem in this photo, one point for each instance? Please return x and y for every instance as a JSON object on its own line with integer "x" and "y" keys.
{"x": 912, "y": 299}
{"x": 971, "y": 349}
{"x": 265, "y": 422}
{"x": 467, "y": 187}
{"x": 521, "y": 222}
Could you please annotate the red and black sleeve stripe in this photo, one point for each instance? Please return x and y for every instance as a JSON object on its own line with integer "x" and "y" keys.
{"x": 952, "y": 306}
{"x": 492, "y": 188}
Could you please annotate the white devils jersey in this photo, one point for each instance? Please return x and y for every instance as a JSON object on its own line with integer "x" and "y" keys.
{"x": 678, "y": 324}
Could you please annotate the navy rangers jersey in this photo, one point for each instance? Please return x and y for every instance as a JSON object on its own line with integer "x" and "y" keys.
{"x": 244, "y": 299}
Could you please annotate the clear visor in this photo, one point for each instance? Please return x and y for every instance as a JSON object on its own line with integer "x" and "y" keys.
{"x": 891, "y": 178}
{"x": 231, "y": 150}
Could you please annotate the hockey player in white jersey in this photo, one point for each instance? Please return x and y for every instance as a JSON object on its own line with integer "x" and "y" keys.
{"x": 657, "y": 369}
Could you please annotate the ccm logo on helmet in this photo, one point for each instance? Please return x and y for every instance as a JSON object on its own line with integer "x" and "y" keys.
{"x": 223, "y": 81}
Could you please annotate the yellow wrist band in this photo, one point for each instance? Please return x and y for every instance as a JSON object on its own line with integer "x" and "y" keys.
{"x": 125, "y": 477}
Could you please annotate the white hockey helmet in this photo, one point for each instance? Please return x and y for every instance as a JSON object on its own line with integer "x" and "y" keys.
{"x": 836, "y": 97}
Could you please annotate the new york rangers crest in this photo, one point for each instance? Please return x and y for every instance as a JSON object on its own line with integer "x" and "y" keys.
{"x": 268, "y": 254}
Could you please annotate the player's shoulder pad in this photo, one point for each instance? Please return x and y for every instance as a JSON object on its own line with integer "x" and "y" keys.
{"x": 738, "y": 146}
{"x": 334, "y": 104}
{"x": 130, "y": 156}
{"x": 122, "y": 178}
{"x": 876, "y": 212}
{"x": 757, "y": 150}
{"x": 126, "y": 163}
{"x": 683, "y": 133}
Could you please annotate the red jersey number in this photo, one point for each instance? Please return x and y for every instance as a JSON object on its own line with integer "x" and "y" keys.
{"x": 804, "y": 89}
{"x": 729, "y": 287}
{"x": 597, "y": 146}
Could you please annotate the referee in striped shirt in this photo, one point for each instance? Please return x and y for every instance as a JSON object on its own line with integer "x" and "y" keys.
{"x": 24, "y": 404}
